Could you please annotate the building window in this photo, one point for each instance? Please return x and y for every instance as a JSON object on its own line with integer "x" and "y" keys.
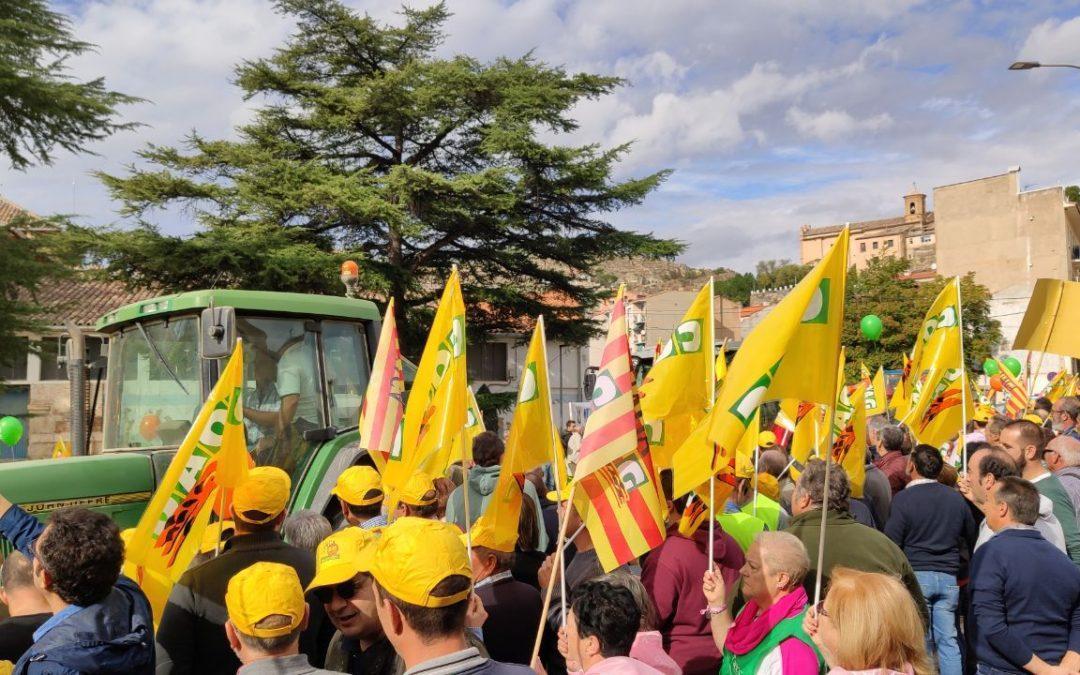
{"x": 50, "y": 366}
{"x": 487, "y": 361}
{"x": 888, "y": 243}
{"x": 927, "y": 238}
{"x": 875, "y": 245}
{"x": 862, "y": 247}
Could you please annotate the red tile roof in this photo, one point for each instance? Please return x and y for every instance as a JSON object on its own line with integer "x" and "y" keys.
{"x": 83, "y": 302}
{"x": 750, "y": 311}
{"x": 9, "y": 211}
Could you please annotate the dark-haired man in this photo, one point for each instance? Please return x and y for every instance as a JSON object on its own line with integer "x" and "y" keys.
{"x": 191, "y": 636}
{"x": 1024, "y": 442}
{"x": 422, "y": 605}
{"x": 359, "y": 491}
{"x": 1025, "y": 594}
{"x": 600, "y": 629}
{"x": 26, "y": 606}
{"x": 930, "y": 523}
{"x": 101, "y": 621}
{"x": 487, "y": 451}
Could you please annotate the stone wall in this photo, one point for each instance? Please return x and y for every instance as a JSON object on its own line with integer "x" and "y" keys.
{"x": 49, "y": 409}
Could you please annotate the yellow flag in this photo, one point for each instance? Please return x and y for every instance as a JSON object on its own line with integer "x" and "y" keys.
{"x": 875, "y": 390}
{"x": 61, "y": 449}
{"x": 938, "y": 341}
{"x": 462, "y": 445}
{"x": 790, "y": 354}
{"x": 679, "y": 388}
{"x": 210, "y": 462}
{"x": 681, "y": 379}
{"x": 898, "y": 401}
{"x": 436, "y": 410}
{"x": 1055, "y": 389}
{"x": 849, "y": 440}
{"x": 748, "y": 445}
{"x": 939, "y": 415}
{"x": 530, "y": 442}
{"x": 1049, "y": 324}
{"x": 497, "y": 526}
{"x": 811, "y": 433}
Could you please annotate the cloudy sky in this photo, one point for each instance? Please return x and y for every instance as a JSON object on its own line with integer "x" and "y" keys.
{"x": 773, "y": 113}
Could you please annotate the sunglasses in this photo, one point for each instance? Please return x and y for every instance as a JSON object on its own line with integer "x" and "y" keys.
{"x": 346, "y": 590}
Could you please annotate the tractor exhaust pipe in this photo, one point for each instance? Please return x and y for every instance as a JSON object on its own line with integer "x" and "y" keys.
{"x": 76, "y": 371}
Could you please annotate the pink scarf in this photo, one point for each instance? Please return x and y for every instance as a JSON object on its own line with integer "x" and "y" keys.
{"x": 749, "y": 629}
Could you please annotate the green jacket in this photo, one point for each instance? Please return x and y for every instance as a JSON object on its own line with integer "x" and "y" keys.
{"x": 850, "y": 544}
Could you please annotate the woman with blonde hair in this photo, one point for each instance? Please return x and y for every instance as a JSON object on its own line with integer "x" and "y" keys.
{"x": 868, "y": 623}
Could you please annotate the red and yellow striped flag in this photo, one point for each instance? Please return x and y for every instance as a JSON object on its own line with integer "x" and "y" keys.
{"x": 616, "y": 482}
{"x": 384, "y": 401}
{"x": 1016, "y": 395}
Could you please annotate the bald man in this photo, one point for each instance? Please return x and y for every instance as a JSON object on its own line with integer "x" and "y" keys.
{"x": 1062, "y": 457}
{"x": 26, "y": 606}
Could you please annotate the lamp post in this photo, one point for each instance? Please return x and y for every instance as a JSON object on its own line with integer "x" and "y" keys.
{"x": 1031, "y": 65}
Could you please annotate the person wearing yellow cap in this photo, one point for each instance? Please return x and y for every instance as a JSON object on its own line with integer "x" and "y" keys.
{"x": 418, "y": 497}
{"x": 343, "y": 584}
{"x": 360, "y": 493}
{"x": 423, "y": 605}
{"x": 513, "y": 607}
{"x": 267, "y": 613}
{"x": 191, "y": 638}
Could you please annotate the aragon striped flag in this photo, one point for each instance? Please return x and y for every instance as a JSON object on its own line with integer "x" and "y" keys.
{"x": 791, "y": 354}
{"x": 1016, "y": 395}
{"x": 384, "y": 401}
{"x": 616, "y": 486}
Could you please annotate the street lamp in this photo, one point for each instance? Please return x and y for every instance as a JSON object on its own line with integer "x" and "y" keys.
{"x": 1030, "y": 65}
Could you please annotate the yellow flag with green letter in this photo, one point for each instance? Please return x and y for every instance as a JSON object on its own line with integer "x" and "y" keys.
{"x": 849, "y": 439}
{"x": 791, "y": 354}
{"x": 875, "y": 390}
{"x": 211, "y": 461}
{"x": 530, "y": 442}
{"x": 436, "y": 411}
{"x": 678, "y": 390}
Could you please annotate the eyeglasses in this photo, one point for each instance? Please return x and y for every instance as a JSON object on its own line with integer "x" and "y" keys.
{"x": 819, "y": 609}
{"x": 346, "y": 590}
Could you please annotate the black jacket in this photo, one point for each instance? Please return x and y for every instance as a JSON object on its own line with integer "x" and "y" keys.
{"x": 191, "y": 638}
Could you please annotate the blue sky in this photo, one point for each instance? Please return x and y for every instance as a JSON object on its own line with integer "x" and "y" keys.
{"x": 772, "y": 113}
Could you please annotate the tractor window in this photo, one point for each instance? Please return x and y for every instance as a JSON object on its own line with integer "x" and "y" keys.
{"x": 282, "y": 392}
{"x": 147, "y": 405}
{"x": 345, "y": 354}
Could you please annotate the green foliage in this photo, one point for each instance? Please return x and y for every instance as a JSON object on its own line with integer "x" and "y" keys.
{"x": 1072, "y": 194}
{"x": 737, "y": 288}
{"x": 492, "y": 404}
{"x": 26, "y": 264}
{"x": 41, "y": 107}
{"x": 902, "y": 304}
{"x": 779, "y": 273}
{"x": 370, "y": 146}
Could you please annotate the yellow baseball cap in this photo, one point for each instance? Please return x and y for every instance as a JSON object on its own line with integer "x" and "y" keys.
{"x": 418, "y": 490}
{"x": 768, "y": 485}
{"x": 483, "y": 534}
{"x": 558, "y": 496}
{"x": 767, "y": 439}
{"x": 343, "y": 555}
{"x": 355, "y": 483}
{"x": 210, "y": 541}
{"x": 1032, "y": 417}
{"x": 414, "y": 555}
{"x": 266, "y": 490}
{"x": 262, "y": 590}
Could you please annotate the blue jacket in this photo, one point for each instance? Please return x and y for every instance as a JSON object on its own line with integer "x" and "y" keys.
{"x": 1025, "y": 599}
{"x": 115, "y": 635}
{"x": 930, "y": 523}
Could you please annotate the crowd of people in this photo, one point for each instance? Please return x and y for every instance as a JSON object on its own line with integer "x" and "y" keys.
{"x": 930, "y": 570}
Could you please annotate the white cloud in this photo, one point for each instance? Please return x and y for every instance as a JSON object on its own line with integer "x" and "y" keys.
{"x": 831, "y": 125}
{"x": 1053, "y": 41}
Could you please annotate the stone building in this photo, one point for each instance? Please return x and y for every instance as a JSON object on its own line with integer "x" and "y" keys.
{"x": 911, "y": 235}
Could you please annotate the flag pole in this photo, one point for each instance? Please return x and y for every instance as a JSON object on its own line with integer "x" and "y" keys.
{"x": 961, "y": 445}
{"x": 711, "y": 374}
{"x": 824, "y": 508}
{"x": 558, "y": 471}
{"x": 559, "y": 548}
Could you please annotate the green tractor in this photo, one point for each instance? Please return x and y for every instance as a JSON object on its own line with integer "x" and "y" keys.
{"x": 307, "y": 359}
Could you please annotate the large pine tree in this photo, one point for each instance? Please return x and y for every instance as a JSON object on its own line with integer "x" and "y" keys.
{"x": 370, "y": 145}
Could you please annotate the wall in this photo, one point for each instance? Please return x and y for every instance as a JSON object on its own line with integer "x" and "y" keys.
{"x": 1005, "y": 236}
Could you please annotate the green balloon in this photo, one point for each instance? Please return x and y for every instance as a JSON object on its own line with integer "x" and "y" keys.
{"x": 1013, "y": 364}
{"x": 871, "y": 327}
{"x": 11, "y": 430}
{"x": 990, "y": 367}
